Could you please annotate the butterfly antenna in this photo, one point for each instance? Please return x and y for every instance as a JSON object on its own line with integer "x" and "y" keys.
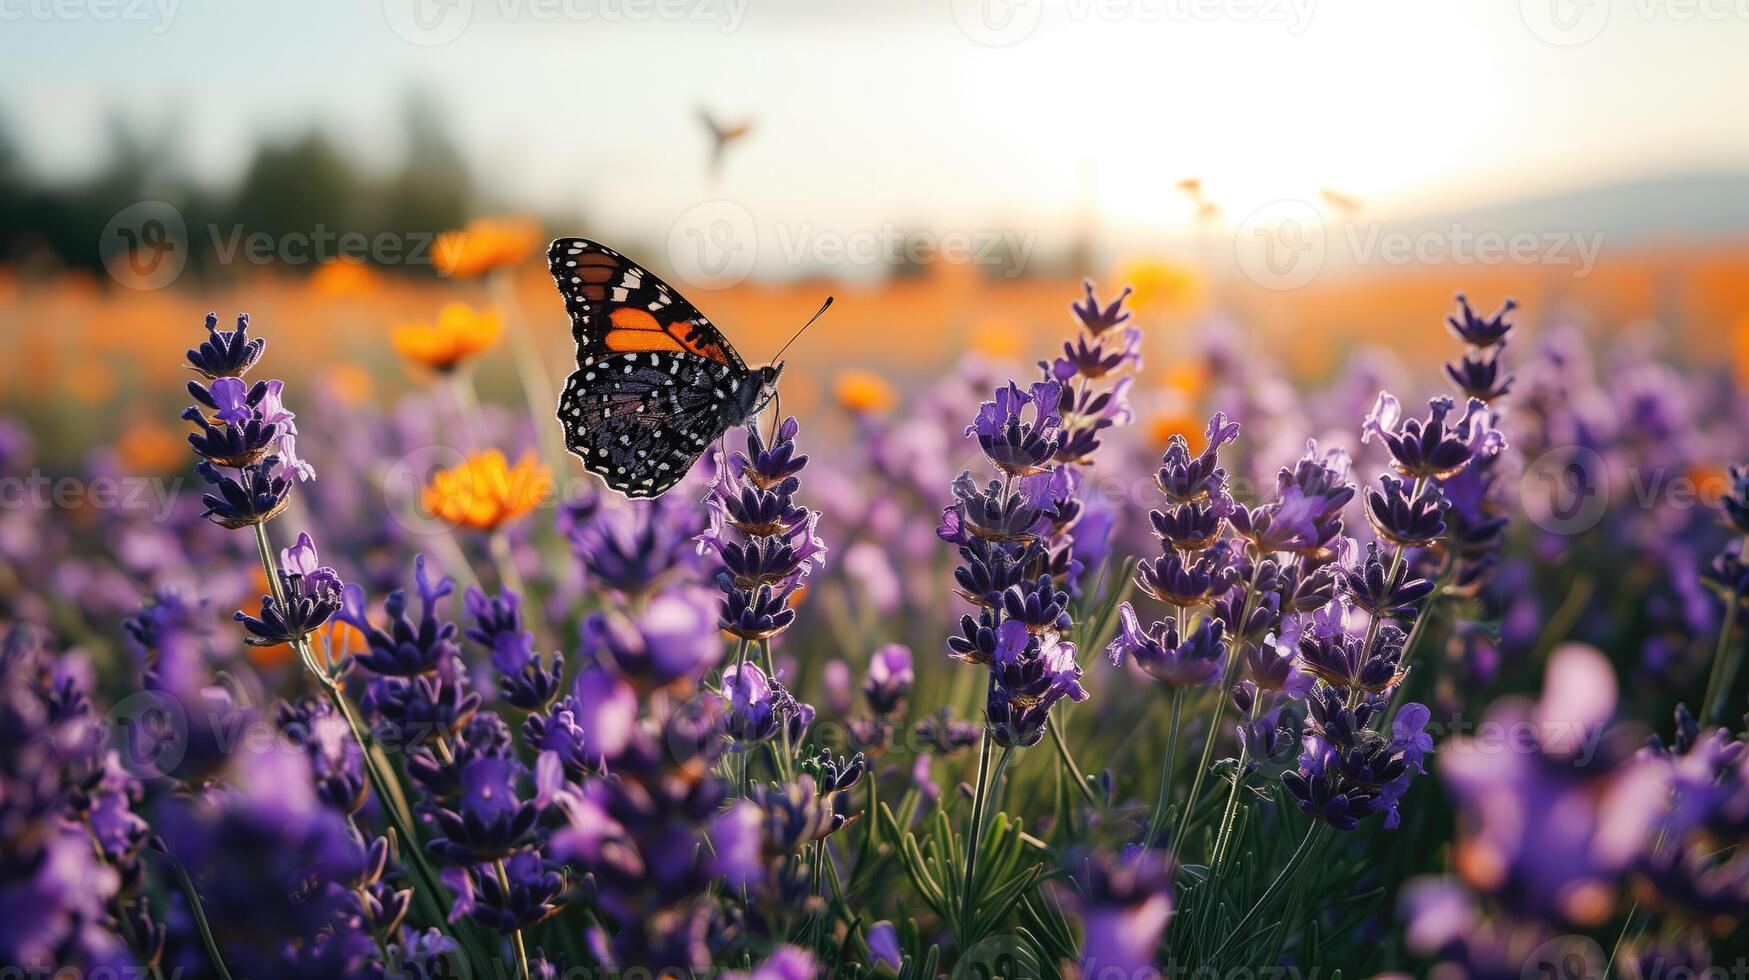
{"x": 776, "y": 415}
{"x": 818, "y": 313}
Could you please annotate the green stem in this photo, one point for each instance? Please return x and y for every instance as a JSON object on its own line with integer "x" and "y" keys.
{"x": 979, "y": 793}
{"x": 537, "y": 384}
{"x": 1287, "y": 872}
{"x": 515, "y": 934}
{"x": 1724, "y": 672}
{"x": 379, "y": 781}
{"x": 200, "y": 920}
{"x": 784, "y": 762}
{"x": 1068, "y": 761}
{"x": 1232, "y": 808}
{"x": 1158, "y": 819}
{"x": 1221, "y": 699}
{"x": 504, "y": 560}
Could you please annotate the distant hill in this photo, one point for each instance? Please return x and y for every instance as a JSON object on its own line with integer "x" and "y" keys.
{"x": 1694, "y": 206}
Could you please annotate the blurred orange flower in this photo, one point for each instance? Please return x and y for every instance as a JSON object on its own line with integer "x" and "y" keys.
{"x": 1740, "y": 341}
{"x": 145, "y": 446}
{"x": 1160, "y": 286}
{"x": 486, "y": 491}
{"x": 862, "y": 392}
{"x": 1162, "y": 427}
{"x": 91, "y": 382}
{"x": 349, "y": 382}
{"x": 995, "y": 338}
{"x": 485, "y": 244}
{"x": 343, "y": 277}
{"x": 1186, "y": 376}
{"x": 458, "y": 334}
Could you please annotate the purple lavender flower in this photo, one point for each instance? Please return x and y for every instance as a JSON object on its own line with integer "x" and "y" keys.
{"x": 1123, "y": 902}
{"x": 1368, "y": 584}
{"x": 406, "y": 648}
{"x": 1018, "y": 442}
{"x": 1096, "y": 319}
{"x": 1480, "y": 332}
{"x": 1433, "y": 449}
{"x": 525, "y": 682}
{"x": 883, "y": 946}
{"x": 1404, "y": 515}
{"x": 634, "y": 549}
{"x": 257, "y": 494}
{"x": 674, "y": 640}
{"x": 1198, "y": 661}
{"x": 226, "y": 353}
{"x": 1030, "y": 673}
{"x": 889, "y": 679}
{"x": 766, "y": 544}
{"x": 311, "y": 593}
{"x": 1736, "y": 500}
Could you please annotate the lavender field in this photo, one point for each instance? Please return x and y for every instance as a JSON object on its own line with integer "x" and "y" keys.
{"x": 1268, "y": 496}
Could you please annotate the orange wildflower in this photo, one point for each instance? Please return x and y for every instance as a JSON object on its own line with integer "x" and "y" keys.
{"x": 343, "y": 278}
{"x": 349, "y": 382}
{"x": 145, "y": 446}
{"x": 458, "y": 334}
{"x": 862, "y": 392}
{"x": 485, "y": 491}
{"x": 996, "y": 339}
{"x": 485, "y": 244}
{"x": 1162, "y": 427}
{"x": 1160, "y": 285}
{"x": 1740, "y": 343}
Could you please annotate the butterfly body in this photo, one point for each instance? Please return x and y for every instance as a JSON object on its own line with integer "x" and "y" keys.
{"x": 656, "y": 383}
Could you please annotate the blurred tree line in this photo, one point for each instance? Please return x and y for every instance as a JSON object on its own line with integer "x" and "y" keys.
{"x": 297, "y": 186}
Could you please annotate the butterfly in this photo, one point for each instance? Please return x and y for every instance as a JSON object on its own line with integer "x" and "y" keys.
{"x": 655, "y": 383}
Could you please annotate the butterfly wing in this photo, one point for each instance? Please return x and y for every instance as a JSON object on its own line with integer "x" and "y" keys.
{"x": 640, "y": 419}
{"x": 617, "y": 306}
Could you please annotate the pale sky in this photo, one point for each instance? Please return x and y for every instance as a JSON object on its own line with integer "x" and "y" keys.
{"x": 873, "y": 112}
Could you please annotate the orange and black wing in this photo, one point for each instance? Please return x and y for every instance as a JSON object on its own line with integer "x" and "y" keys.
{"x": 618, "y": 306}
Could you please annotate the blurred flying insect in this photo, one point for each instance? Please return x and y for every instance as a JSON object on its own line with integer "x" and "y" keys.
{"x": 722, "y": 134}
